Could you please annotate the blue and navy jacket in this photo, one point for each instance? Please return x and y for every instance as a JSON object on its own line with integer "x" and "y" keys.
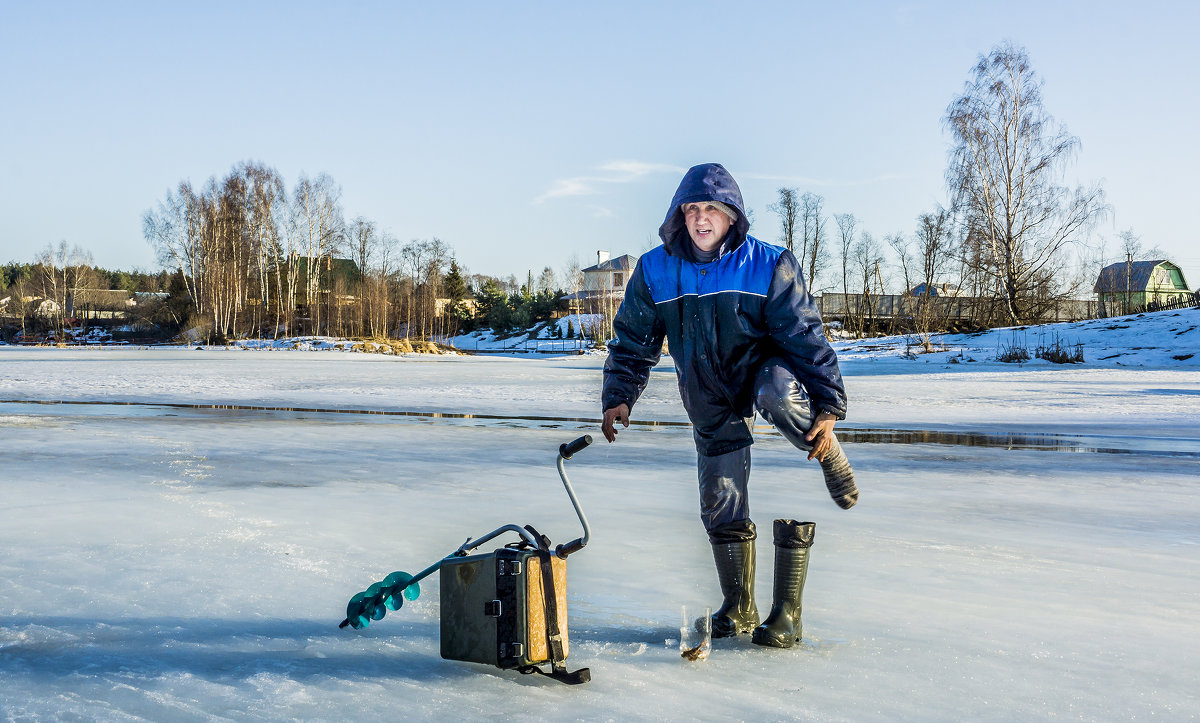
{"x": 722, "y": 320}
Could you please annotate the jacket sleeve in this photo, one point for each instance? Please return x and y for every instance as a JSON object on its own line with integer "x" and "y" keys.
{"x": 636, "y": 346}
{"x": 795, "y": 326}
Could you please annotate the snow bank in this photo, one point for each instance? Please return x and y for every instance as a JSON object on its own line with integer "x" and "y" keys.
{"x": 1163, "y": 339}
{"x": 572, "y": 334}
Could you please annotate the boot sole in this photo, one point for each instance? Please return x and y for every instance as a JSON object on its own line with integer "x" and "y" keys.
{"x": 773, "y": 642}
{"x": 722, "y": 632}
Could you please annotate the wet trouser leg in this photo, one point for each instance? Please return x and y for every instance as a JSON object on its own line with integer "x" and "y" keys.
{"x": 781, "y": 399}
{"x": 724, "y": 505}
{"x": 725, "y": 510}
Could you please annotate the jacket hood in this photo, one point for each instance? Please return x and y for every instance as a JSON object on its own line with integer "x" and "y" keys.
{"x": 706, "y": 182}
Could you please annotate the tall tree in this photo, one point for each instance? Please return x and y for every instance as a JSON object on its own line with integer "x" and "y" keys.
{"x": 868, "y": 257}
{"x": 788, "y": 210}
{"x": 1131, "y": 249}
{"x": 318, "y": 227}
{"x": 266, "y": 200}
{"x": 934, "y": 241}
{"x": 173, "y": 231}
{"x": 1006, "y": 162}
{"x": 454, "y": 284}
{"x": 362, "y": 242}
{"x": 813, "y": 254}
{"x": 846, "y": 223}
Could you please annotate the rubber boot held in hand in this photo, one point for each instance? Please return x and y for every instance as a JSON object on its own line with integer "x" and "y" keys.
{"x": 735, "y": 570}
{"x": 782, "y": 628}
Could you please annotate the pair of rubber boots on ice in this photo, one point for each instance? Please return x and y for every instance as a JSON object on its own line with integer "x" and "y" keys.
{"x": 738, "y": 613}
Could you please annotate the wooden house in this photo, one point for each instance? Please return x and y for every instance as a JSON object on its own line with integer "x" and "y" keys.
{"x": 1138, "y": 284}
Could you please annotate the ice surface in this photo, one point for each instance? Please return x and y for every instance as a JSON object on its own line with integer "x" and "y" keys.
{"x": 171, "y": 563}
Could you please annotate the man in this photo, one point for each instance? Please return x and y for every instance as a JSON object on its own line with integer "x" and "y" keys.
{"x": 744, "y": 334}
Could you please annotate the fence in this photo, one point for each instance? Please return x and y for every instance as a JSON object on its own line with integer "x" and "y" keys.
{"x": 529, "y": 346}
{"x": 1118, "y": 308}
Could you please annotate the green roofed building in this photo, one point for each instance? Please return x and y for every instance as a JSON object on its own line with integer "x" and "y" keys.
{"x": 334, "y": 272}
{"x": 1140, "y": 284}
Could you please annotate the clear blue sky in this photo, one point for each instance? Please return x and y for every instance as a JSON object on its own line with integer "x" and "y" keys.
{"x": 522, "y": 133}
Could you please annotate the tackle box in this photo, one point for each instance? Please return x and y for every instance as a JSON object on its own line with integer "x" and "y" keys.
{"x": 494, "y": 609}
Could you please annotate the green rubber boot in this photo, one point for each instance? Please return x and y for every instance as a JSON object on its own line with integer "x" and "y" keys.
{"x": 782, "y": 628}
{"x": 735, "y": 570}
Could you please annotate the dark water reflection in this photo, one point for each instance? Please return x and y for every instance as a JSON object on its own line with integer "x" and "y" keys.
{"x": 1078, "y": 443}
{"x": 1104, "y": 444}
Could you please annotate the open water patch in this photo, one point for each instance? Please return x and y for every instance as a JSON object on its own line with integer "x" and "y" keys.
{"x": 848, "y": 433}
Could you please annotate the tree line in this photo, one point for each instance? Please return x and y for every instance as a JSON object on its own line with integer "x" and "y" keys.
{"x": 38, "y": 295}
{"x": 242, "y": 255}
{"x": 259, "y": 259}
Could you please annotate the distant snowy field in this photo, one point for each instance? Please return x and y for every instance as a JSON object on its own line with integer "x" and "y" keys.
{"x": 167, "y": 560}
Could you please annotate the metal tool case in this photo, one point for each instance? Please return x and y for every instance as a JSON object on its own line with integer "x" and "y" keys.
{"x": 495, "y": 610}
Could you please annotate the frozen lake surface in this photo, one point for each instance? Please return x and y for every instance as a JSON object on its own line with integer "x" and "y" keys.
{"x": 167, "y": 560}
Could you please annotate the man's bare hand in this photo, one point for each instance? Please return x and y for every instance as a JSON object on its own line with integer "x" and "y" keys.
{"x": 619, "y": 413}
{"x": 821, "y": 436}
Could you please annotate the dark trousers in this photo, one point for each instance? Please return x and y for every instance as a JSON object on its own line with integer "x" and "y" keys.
{"x": 780, "y": 399}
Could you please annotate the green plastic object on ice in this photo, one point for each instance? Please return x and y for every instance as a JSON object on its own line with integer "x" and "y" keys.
{"x": 375, "y": 602}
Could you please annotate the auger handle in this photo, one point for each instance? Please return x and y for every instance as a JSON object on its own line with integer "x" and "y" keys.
{"x": 566, "y": 450}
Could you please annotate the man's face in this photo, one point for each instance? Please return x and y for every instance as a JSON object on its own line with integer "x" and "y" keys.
{"x": 706, "y": 224}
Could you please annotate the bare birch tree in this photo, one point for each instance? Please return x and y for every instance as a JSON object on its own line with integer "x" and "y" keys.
{"x": 266, "y": 199}
{"x": 868, "y": 257}
{"x": 846, "y": 223}
{"x": 934, "y": 241}
{"x": 1007, "y": 159}
{"x": 362, "y": 243}
{"x": 437, "y": 262}
{"x": 572, "y": 275}
{"x": 813, "y": 254}
{"x": 546, "y": 283}
{"x": 788, "y": 210}
{"x": 318, "y": 227}
{"x": 172, "y": 230}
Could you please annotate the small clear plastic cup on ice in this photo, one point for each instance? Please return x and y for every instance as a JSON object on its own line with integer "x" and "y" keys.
{"x": 695, "y": 633}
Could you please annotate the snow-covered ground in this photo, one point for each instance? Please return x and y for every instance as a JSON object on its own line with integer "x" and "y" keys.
{"x": 180, "y": 546}
{"x": 571, "y": 334}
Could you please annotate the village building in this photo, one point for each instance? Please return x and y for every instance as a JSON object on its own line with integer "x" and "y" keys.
{"x": 441, "y": 303}
{"x": 603, "y": 284}
{"x": 942, "y": 289}
{"x": 90, "y": 304}
{"x": 1139, "y": 284}
{"x": 332, "y": 273}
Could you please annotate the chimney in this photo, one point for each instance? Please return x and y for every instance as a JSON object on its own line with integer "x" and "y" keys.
{"x": 601, "y": 257}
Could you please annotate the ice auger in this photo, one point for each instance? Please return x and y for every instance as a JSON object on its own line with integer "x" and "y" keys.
{"x": 505, "y": 608}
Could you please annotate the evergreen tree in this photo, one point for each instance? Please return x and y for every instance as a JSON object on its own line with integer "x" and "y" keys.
{"x": 453, "y": 284}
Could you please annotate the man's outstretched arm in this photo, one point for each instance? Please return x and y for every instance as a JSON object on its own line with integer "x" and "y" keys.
{"x": 631, "y": 355}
